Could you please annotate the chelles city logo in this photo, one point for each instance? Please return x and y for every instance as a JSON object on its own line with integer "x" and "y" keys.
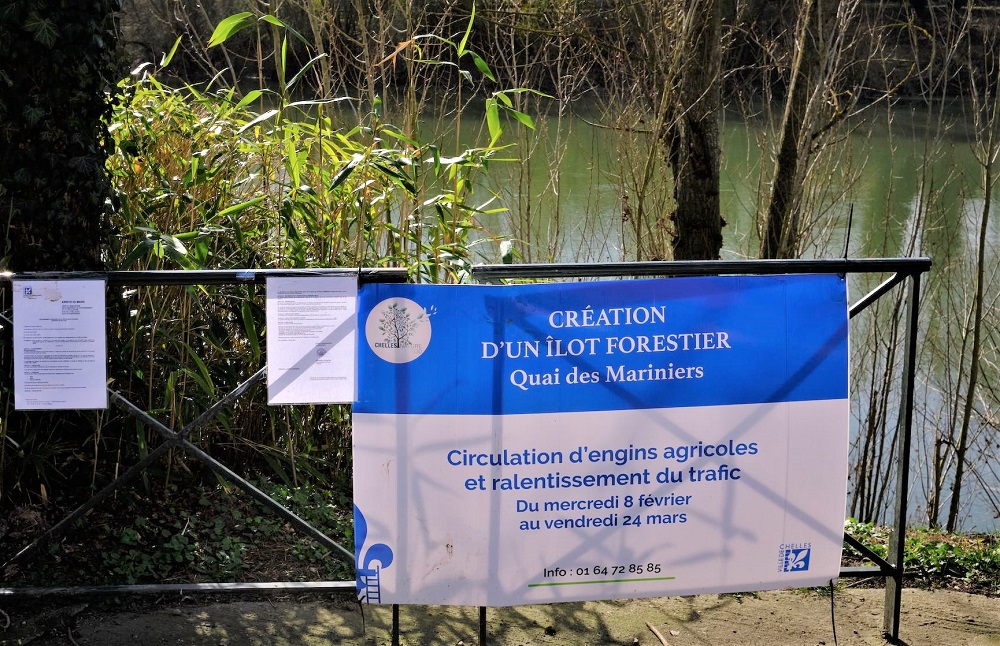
{"x": 398, "y": 330}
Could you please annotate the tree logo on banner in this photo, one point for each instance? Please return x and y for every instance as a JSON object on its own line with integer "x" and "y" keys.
{"x": 398, "y": 330}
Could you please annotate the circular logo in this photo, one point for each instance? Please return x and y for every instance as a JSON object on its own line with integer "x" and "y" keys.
{"x": 398, "y": 330}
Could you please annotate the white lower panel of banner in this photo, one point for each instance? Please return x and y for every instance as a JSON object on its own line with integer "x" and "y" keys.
{"x": 539, "y": 508}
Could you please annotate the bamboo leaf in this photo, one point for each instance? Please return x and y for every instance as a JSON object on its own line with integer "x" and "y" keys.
{"x": 139, "y": 69}
{"x": 236, "y": 208}
{"x": 344, "y": 173}
{"x": 175, "y": 244}
{"x": 206, "y": 383}
{"x": 262, "y": 117}
{"x": 392, "y": 57}
{"x": 312, "y": 102}
{"x": 251, "y": 96}
{"x": 482, "y": 66}
{"x": 141, "y": 250}
{"x": 171, "y": 386}
{"x": 468, "y": 31}
{"x": 174, "y": 249}
{"x": 282, "y": 71}
{"x": 493, "y": 120}
{"x": 191, "y": 175}
{"x": 527, "y": 90}
{"x": 440, "y": 39}
{"x": 251, "y": 329}
{"x": 278, "y": 22}
{"x": 229, "y": 26}
{"x": 436, "y": 156}
{"x": 399, "y": 136}
{"x": 206, "y": 386}
{"x": 523, "y": 118}
{"x": 292, "y": 162}
{"x": 309, "y": 64}
{"x": 169, "y": 56}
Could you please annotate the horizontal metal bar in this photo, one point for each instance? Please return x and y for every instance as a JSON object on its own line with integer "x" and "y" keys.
{"x": 907, "y": 266}
{"x": 182, "y": 588}
{"x": 208, "y": 276}
{"x": 861, "y": 572}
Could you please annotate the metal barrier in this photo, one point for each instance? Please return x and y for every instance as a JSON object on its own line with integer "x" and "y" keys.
{"x": 178, "y": 439}
{"x": 900, "y": 268}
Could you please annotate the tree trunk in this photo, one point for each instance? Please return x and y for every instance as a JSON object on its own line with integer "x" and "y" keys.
{"x": 60, "y": 70}
{"x": 691, "y": 135}
{"x": 780, "y": 237}
{"x": 57, "y": 80}
{"x": 989, "y": 154}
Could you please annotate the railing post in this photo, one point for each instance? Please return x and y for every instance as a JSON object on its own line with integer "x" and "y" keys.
{"x": 894, "y": 584}
{"x": 395, "y": 624}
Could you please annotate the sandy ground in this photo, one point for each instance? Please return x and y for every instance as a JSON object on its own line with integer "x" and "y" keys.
{"x": 939, "y": 618}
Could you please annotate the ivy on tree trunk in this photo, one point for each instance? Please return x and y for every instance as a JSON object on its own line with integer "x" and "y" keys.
{"x": 58, "y": 72}
{"x": 56, "y": 84}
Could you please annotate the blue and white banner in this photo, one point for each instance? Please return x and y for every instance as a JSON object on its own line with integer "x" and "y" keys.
{"x": 559, "y": 442}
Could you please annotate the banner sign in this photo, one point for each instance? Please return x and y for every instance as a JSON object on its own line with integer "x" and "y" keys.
{"x": 563, "y": 442}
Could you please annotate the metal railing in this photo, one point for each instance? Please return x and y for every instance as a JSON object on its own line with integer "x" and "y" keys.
{"x": 179, "y": 439}
{"x": 890, "y": 568}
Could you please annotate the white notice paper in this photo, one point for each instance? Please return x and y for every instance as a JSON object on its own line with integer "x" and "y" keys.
{"x": 311, "y": 339}
{"x": 60, "y": 345}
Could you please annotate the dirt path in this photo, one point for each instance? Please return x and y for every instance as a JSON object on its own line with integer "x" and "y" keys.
{"x": 939, "y": 618}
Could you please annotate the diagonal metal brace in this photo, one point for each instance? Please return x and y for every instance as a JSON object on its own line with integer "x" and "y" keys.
{"x": 266, "y": 500}
{"x": 884, "y": 566}
{"x": 56, "y": 531}
{"x": 877, "y": 293}
{"x": 171, "y": 440}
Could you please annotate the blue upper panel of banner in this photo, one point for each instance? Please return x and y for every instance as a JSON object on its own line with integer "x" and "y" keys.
{"x": 596, "y": 346}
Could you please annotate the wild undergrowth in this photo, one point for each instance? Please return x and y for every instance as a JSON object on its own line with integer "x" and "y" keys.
{"x": 183, "y": 533}
{"x": 190, "y": 533}
{"x": 936, "y": 559}
{"x": 215, "y": 176}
